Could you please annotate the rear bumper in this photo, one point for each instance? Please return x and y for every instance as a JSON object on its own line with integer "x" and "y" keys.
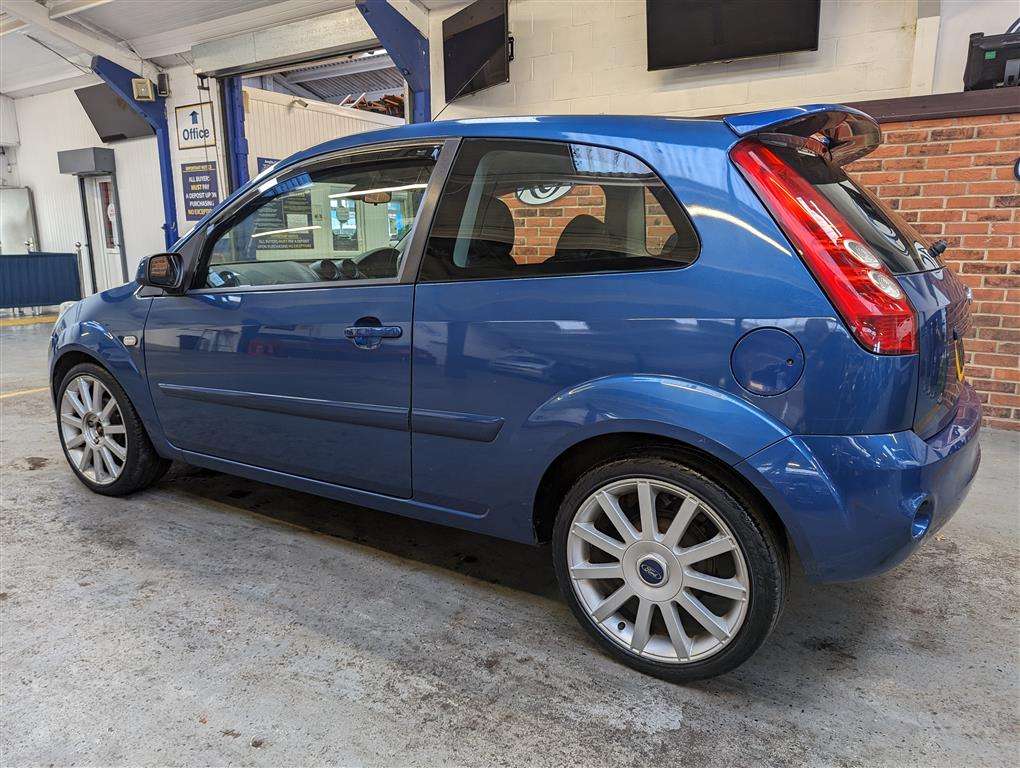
{"x": 849, "y": 502}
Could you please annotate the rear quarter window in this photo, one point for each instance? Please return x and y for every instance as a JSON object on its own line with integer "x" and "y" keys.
{"x": 532, "y": 208}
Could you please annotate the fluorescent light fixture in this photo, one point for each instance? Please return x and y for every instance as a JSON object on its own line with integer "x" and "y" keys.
{"x": 363, "y": 192}
{"x": 284, "y": 231}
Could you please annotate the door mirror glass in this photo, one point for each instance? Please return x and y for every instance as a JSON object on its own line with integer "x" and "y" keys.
{"x": 163, "y": 270}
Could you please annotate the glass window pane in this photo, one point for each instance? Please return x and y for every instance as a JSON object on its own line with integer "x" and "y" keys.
{"x": 526, "y": 208}
{"x": 348, "y": 221}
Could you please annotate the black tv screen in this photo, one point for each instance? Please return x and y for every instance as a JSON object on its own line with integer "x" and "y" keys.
{"x": 476, "y": 53}
{"x": 112, "y": 118}
{"x": 682, "y": 32}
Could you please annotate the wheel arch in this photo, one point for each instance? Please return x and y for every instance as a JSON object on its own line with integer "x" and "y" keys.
{"x": 577, "y": 459}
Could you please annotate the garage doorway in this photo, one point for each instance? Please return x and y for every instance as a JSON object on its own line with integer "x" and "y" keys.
{"x": 102, "y": 211}
{"x": 272, "y": 113}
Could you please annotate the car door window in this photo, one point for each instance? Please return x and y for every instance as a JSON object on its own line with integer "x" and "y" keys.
{"x": 531, "y": 208}
{"x": 349, "y": 220}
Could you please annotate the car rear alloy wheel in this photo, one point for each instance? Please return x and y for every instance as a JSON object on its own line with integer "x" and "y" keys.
{"x": 93, "y": 430}
{"x": 657, "y": 570}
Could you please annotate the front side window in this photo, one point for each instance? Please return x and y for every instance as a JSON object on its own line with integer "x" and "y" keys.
{"x": 347, "y": 221}
{"x": 530, "y": 208}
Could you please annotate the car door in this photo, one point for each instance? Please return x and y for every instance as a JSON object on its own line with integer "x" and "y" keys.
{"x": 291, "y": 349}
{"x": 549, "y": 265}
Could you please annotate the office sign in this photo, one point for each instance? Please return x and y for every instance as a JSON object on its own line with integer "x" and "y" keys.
{"x": 195, "y": 126}
{"x": 201, "y": 189}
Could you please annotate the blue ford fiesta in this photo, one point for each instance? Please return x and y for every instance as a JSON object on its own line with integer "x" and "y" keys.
{"x": 680, "y": 351}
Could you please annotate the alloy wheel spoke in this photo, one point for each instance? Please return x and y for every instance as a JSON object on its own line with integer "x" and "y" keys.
{"x": 599, "y": 540}
{"x": 97, "y": 465}
{"x": 642, "y": 626}
{"x": 72, "y": 421}
{"x": 97, "y": 394}
{"x": 646, "y": 504}
{"x": 113, "y": 429}
{"x": 76, "y": 441}
{"x": 718, "y": 545}
{"x": 597, "y": 571}
{"x": 681, "y": 642}
{"x": 76, "y": 403}
{"x": 683, "y": 518}
{"x": 83, "y": 460}
{"x": 703, "y": 616}
{"x": 85, "y": 393}
{"x": 111, "y": 465}
{"x": 104, "y": 415}
{"x": 730, "y": 588}
{"x": 611, "y": 506}
{"x": 115, "y": 449}
{"x": 611, "y": 604}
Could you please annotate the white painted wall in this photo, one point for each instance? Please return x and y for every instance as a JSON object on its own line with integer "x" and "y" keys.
{"x": 278, "y": 125}
{"x": 959, "y": 19}
{"x": 590, "y": 57}
{"x": 52, "y": 122}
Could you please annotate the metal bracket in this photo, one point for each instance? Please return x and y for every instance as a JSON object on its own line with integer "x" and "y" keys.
{"x": 409, "y": 50}
{"x": 154, "y": 113}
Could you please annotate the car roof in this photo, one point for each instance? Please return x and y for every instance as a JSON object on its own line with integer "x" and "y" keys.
{"x": 616, "y": 130}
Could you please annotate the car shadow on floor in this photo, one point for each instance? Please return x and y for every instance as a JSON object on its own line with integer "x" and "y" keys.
{"x": 520, "y": 567}
{"x": 823, "y": 626}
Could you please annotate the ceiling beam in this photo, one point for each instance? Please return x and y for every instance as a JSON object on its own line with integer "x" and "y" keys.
{"x": 38, "y": 16}
{"x": 61, "y": 8}
{"x": 342, "y": 68}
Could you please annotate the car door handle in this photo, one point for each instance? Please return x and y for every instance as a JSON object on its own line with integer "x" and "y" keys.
{"x": 371, "y": 336}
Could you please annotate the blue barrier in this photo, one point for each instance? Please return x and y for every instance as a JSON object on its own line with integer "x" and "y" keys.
{"x": 38, "y": 279}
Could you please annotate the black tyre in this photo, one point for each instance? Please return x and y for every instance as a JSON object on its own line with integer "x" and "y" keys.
{"x": 103, "y": 439}
{"x": 669, "y": 571}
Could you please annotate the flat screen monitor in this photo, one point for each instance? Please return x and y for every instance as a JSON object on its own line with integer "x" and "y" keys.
{"x": 476, "y": 52}
{"x": 683, "y": 32}
{"x": 112, "y": 118}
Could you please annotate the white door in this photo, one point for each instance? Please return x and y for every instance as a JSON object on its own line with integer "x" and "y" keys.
{"x": 104, "y": 227}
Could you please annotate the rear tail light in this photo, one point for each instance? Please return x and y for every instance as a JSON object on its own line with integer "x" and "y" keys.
{"x": 856, "y": 281}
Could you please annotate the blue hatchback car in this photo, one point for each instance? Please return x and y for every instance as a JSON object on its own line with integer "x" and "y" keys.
{"x": 680, "y": 351}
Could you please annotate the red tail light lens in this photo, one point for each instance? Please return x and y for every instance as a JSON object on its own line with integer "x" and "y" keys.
{"x": 852, "y": 276}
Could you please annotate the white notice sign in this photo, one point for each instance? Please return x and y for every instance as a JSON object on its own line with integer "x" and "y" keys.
{"x": 195, "y": 126}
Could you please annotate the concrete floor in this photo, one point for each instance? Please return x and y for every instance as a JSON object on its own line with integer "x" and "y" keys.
{"x": 212, "y": 620}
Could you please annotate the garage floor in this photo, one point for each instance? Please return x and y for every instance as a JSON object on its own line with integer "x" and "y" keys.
{"x": 214, "y": 620}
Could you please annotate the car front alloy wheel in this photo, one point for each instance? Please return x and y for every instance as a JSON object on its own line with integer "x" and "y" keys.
{"x": 92, "y": 427}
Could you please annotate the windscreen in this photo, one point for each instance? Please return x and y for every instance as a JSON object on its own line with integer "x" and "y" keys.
{"x": 899, "y": 245}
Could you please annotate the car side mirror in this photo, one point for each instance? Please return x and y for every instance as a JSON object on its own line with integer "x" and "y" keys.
{"x": 162, "y": 270}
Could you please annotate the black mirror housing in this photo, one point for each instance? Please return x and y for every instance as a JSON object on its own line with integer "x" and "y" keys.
{"x": 162, "y": 270}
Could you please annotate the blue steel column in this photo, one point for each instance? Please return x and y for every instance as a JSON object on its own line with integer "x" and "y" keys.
{"x": 237, "y": 142}
{"x": 409, "y": 50}
{"x": 154, "y": 113}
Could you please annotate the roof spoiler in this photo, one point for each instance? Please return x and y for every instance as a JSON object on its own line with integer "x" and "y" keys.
{"x": 847, "y": 134}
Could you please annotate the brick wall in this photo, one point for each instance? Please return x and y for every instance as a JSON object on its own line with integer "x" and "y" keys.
{"x": 954, "y": 179}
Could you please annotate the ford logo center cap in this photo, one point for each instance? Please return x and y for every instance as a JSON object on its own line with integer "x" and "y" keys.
{"x": 652, "y": 572}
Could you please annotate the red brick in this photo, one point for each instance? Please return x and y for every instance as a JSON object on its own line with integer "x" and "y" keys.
{"x": 1002, "y": 158}
{"x": 968, "y": 228}
{"x": 880, "y": 177}
{"x": 973, "y": 147}
{"x": 1002, "y": 130}
{"x": 986, "y": 241}
{"x": 968, "y": 202}
{"x": 927, "y": 150}
{"x": 970, "y": 174}
{"x": 950, "y": 161}
{"x": 948, "y": 134}
{"x": 945, "y": 189}
{"x": 911, "y": 177}
{"x": 922, "y": 203}
{"x": 896, "y": 164}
